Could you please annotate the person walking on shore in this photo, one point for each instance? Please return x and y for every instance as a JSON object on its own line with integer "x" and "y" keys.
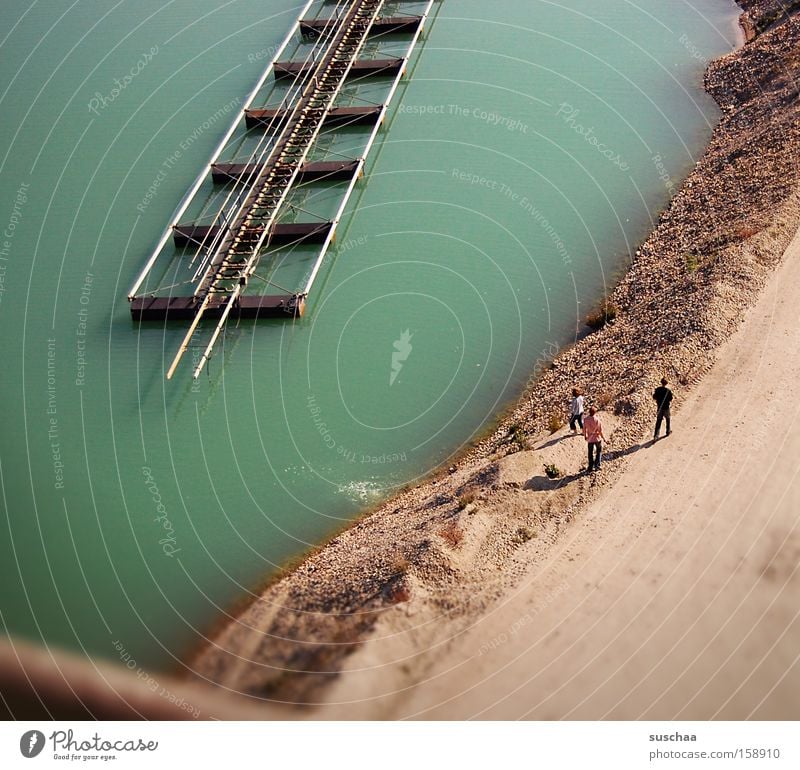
{"x": 663, "y": 398}
{"x": 593, "y": 433}
{"x": 576, "y": 410}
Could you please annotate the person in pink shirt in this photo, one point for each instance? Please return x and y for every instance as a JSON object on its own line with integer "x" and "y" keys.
{"x": 593, "y": 433}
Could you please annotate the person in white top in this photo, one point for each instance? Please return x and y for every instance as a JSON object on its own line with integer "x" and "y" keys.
{"x": 576, "y": 410}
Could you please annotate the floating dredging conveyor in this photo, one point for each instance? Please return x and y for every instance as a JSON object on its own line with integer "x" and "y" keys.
{"x": 250, "y": 214}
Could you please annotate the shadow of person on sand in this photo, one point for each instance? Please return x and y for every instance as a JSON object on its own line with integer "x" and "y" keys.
{"x": 557, "y": 439}
{"x": 545, "y": 483}
{"x": 615, "y": 454}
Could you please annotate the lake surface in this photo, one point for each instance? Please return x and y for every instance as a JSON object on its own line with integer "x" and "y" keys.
{"x": 525, "y": 157}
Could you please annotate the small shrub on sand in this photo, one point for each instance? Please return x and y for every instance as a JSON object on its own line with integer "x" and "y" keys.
{"x": 398, "y": 592}
{"x": 524, "y": 534}
{"x": 552, "y": 471}
{"x": 452, "y": 534}
{"x": 400, "y": 565}
{"x": 605, "y": 313}
{"x": 554, "y": 422}
{"x": 692, "y": 262}
{"x": 465, "y": 499}
{"x": 747, "y": 232}
{"x": 624, "y": 407}
{"x": 603, "y": 400}
{"x": 519, "y": 438}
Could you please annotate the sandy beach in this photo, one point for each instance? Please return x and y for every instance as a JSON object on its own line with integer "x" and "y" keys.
{"x": 672, "y": 596}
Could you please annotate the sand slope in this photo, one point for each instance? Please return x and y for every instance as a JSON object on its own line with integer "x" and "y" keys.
{"x": 676, "y": 594}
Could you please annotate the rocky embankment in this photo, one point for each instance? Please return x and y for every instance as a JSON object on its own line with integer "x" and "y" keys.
{"x": 762, "y": 15}
{"x": 431, "y": 559}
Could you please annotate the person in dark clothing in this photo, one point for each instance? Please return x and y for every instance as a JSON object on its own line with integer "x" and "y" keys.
{"x": 576, "y": 410}
{"x": 663, "y": 398}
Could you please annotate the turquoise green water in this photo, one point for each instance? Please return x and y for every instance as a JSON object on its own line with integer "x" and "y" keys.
{"x": 523, "y": 161}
